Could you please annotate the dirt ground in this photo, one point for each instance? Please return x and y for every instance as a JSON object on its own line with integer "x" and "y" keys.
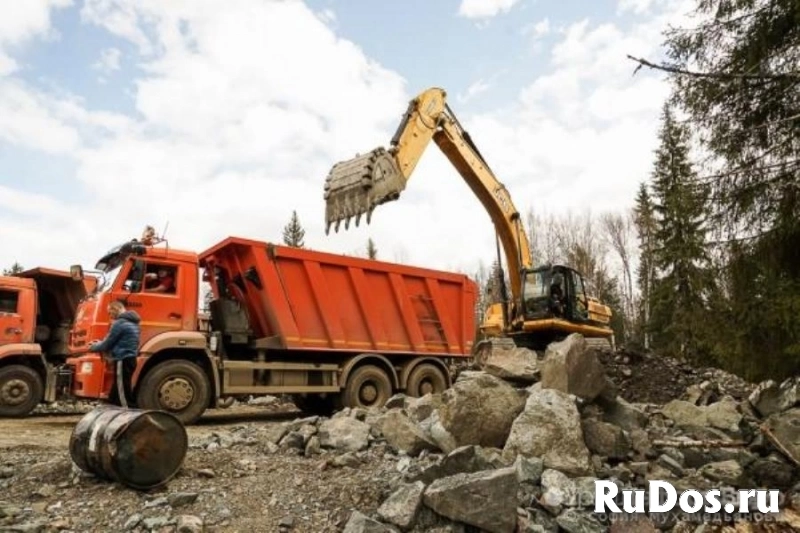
{"x": 52, "y": 430}
{"x": 236, "y": 485}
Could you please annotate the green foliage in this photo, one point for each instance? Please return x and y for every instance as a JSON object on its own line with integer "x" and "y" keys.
{"x": 644, "y": 219}
{"x": 606, "y": 288}
{"x": 372, "y": 251}
{"x": 293, "y": 232}
{"x": 736, "y": 77}
{"x": 679, "y": 254}
{"x": 16, "y": 268}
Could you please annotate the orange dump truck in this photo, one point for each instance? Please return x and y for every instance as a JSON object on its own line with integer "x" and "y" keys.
{"x": 37, "y": 308}
{"x": 328, "y": 329}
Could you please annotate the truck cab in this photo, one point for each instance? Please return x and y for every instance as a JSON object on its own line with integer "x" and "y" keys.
{"x": 161, "y": 285}
{"x": 37, "y": 309}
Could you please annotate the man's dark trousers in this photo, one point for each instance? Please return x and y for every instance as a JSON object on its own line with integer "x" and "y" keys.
{"x": 123, "y": 391}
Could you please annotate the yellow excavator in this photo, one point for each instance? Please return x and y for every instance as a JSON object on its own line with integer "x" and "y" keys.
{"x": 547, "y": 303}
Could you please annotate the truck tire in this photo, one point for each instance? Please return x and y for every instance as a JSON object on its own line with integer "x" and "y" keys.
{"x": 21, "y": 390}
{"x": 425, "y": 379}
{"x": 180, "y": 388}
{"x": 367, "y": 386}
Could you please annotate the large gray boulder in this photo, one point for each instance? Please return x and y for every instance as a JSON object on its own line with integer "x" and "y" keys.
{"x": 570, "y": 367}
{"x": 479, "y": 410}
{"x": 723, "y": 415}
{"x": 344, "y": 433}
{"x": 486, "y": 499}
{"x": 403, "y": 435}
{"x": 606, "y": 440}
{"x": 783, "y": 430}
{"x": 550, "y": 428}
{"x": 361, "y": 523}
{"x": 770, "y": 398}
{"x": 518, "y": 365}
{"x": 402, "y": 506}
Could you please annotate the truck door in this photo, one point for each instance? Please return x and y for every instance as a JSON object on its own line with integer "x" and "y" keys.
{"x": 12, "y": 324}
{"x": 152, "y": 289}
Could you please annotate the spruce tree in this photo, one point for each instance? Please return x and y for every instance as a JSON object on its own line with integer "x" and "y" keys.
{"x": 644, "y": 218}
{"x": 16, "y": 268}
{"x": 677, "y": 298}
{"x": 372, "y": 251}
{"x": 293, "y": 232}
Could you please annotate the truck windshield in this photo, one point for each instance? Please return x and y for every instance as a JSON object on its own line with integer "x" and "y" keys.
{"x": 108, "y": 278}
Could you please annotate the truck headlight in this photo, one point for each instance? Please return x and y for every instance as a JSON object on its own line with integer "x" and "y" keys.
{"x": 86, "y": 368}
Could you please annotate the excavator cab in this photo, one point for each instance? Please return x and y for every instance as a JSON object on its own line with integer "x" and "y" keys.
{"x": 555, "y": 291}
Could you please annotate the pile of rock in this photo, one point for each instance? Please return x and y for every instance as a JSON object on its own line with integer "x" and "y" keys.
{"x": 650, "y": 378}
{"x": 518, "y": 446}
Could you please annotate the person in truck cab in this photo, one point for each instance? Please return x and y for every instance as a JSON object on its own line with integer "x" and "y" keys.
{"x": 122, "y": 344}
{"x": 163, "y": 281}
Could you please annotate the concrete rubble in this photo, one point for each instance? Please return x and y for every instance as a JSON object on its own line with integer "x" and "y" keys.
{"x": 513, "y": 447}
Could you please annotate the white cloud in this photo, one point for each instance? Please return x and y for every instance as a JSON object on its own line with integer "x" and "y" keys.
{"x": 108, "y": 61}
{"x": 481, "y": 9}
{"x": 236, "y": 129}
{"x": 475, "y": 88}
{"x": 18, "y": 25}
{"x": 328, "y": 16}
{"x": 537, "y": 30}
{"x": 28, "y": 120}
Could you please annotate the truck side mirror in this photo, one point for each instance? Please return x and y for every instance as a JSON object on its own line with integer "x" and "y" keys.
{"x": 76, "y": 272}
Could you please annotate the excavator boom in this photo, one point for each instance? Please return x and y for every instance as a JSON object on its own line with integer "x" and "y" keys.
{"x": 355, "y": 187}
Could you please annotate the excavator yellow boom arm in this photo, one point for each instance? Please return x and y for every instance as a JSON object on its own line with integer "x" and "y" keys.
{"x": 355, "y": 187}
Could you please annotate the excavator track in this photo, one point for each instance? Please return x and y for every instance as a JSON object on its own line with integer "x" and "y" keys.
{"x": 356, "y": 186}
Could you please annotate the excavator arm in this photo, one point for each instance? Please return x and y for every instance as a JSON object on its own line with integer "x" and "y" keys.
{"x": 355, "y": 187}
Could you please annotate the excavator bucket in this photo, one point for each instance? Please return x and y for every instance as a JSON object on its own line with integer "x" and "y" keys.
{"x": 355, "y": 187}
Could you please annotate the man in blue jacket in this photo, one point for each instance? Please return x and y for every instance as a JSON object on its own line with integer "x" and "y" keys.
{"x": 122, "y": 343}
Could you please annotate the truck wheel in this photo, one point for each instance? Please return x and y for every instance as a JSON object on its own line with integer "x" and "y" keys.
{"x": 180, "y": 388}
{"x": 21, "y": 390}
{"x": 368, "y": 386}
{"x": 425, "y": 379}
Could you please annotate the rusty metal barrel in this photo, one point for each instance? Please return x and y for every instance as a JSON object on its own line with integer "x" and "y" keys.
{"x": 140, "y": 449}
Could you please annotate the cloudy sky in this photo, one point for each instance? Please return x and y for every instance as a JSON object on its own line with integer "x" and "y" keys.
{"x": 219, "y": 121}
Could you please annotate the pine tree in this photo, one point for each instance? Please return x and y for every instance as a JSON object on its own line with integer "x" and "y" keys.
{"x": 16, "y": 268}
{"x": 644, "y": 219}
{"x": 293, "y": 232}
{"x": 679, "y": 255}
{"x": 372, "y": 251}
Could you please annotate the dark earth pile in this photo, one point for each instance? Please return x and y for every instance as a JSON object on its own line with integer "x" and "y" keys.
{"x": 649, "y": 378}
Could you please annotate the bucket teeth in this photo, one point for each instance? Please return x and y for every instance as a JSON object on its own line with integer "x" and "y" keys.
{"x": 355, "y": 187}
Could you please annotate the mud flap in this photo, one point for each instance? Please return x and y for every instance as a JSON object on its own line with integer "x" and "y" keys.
{"x": 355, "y": 187}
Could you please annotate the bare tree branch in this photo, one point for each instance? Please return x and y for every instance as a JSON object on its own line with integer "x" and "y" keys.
{"x": 715, "y": 75}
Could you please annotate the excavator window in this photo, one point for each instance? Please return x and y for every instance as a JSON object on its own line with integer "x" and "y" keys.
{"x": 581, "y": 305}
{"x": 535, "y": 286}
{"x": 9, "y": 301}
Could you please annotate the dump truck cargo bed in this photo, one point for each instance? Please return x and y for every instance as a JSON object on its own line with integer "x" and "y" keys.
{"x": 308, "y": 300}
